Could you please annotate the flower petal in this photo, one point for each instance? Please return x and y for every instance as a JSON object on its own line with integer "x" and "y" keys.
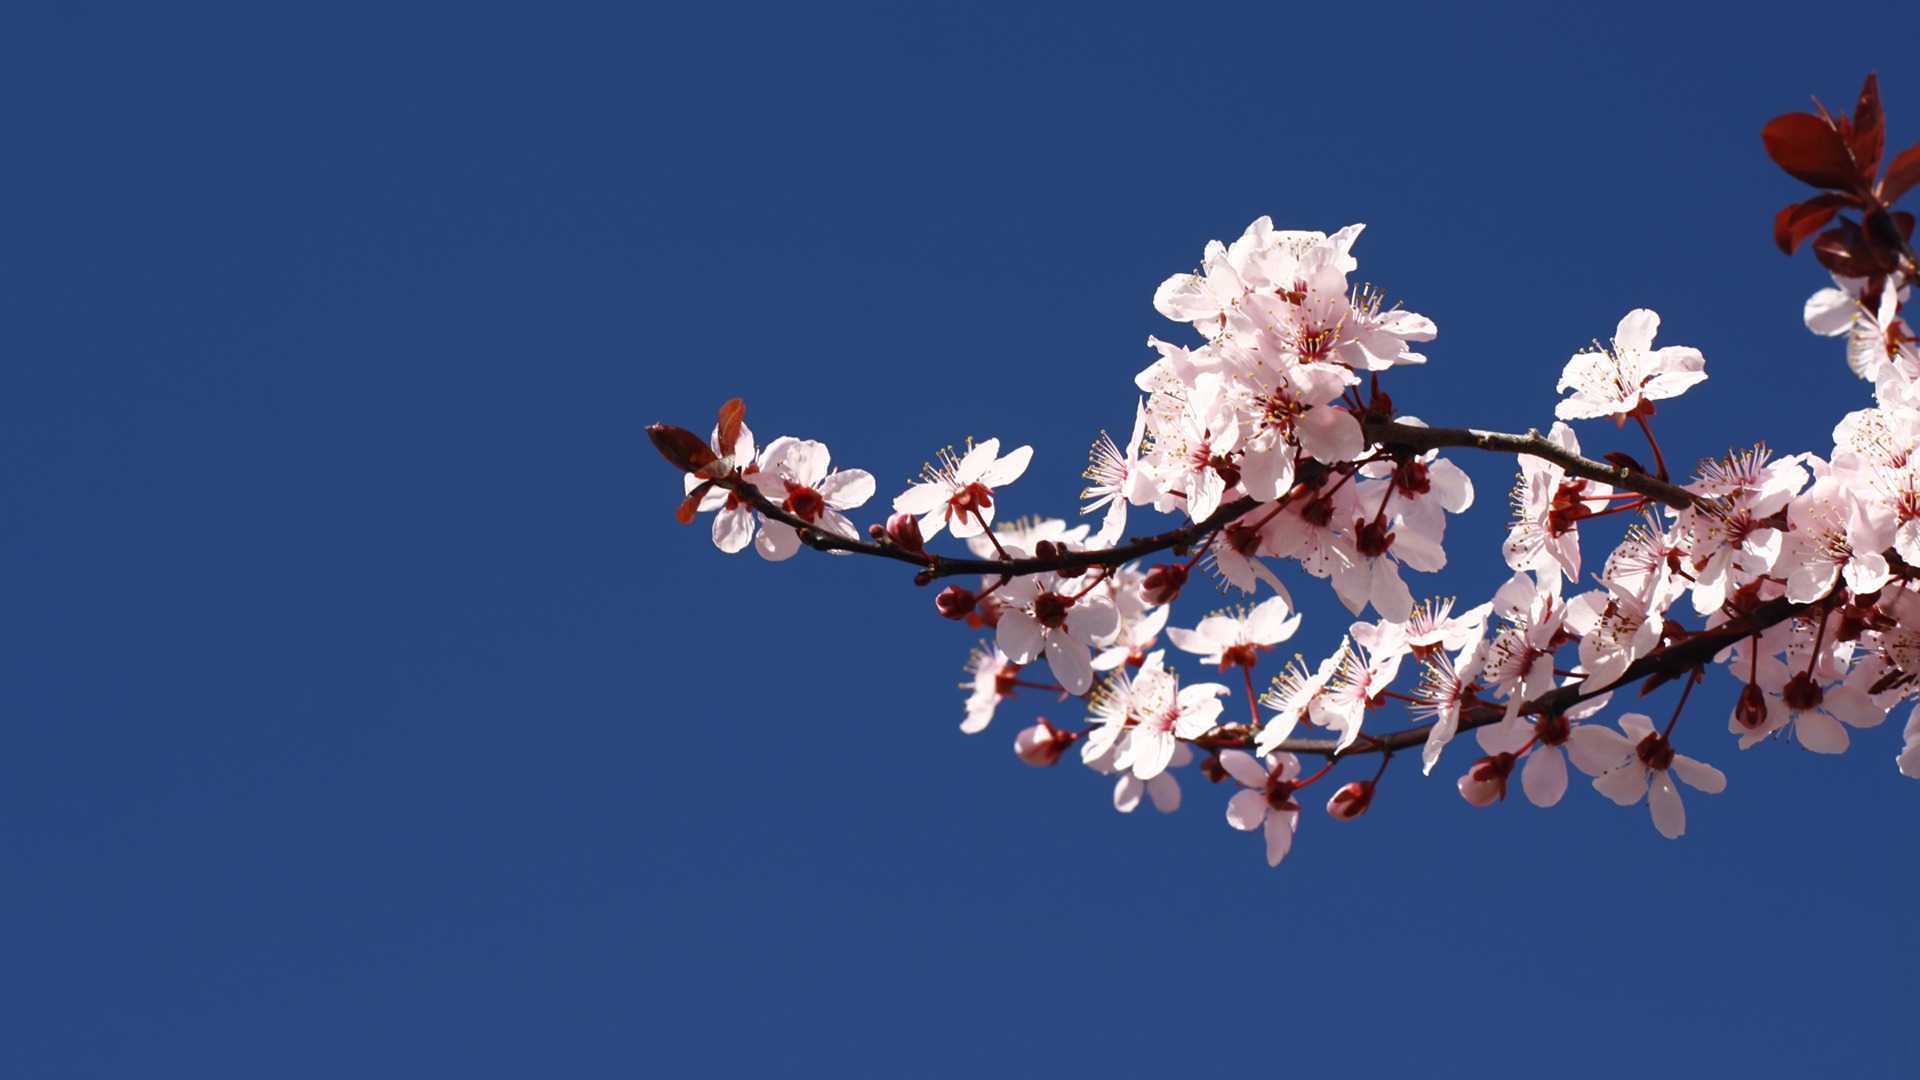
{"x": 1545, "y": 776}
{"x": 1246, "y": 810}
{"x": 1243, "y": 767}
{"x": 1624, "y": 785}
{"x": 1280, "y": 825}
{"x": 1019, "y": 636}
{"x": 1007, "y": 469}
{"x": 1699, "y": 775}
{"x": 1668, "y": 815}
{"x": 847, "y": 489}
{"x": 1072, "y": 664}
{"x": 1821, "y": 733}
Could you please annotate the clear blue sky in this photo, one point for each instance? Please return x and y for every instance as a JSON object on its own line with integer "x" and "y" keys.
{"x": 365, "y": 713}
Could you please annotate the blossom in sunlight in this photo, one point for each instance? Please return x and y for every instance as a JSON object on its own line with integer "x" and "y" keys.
{"x": 957, "y": 493}
{"x": 734, "y": 521}
{"x": 1553, "y": 740}
{"x": 1113, "y": 479}
{"x": 1292, "y": 696}
{"x": 1446, "y": 683}
{"x": 990, "y": 677}
{"x": 1136, "y": 636}
{"x": 1647, "y": 766}
{"x": 1165, "y": 714}
{"x": 1548, "y": 507}
{"x": 1620, "y": 381}
{"x": 1045, "y": 614}
{"x": 794, "y": 473}
{"x": 1162, "y": 788}
{"x": 1230, "y": 638}
{"x": 1267, "y": 801}
{"x": 1818, "y": 715}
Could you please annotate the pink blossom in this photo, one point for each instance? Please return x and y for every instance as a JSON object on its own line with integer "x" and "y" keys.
{"x": 1060, "y": 618}
{"x": 1164, "y": 713}
{"x": 1818, "y": 714}
{"x": 1548, "y": 506}
{"x": 734, "y": 520}
{"x": 1619, "y": 382}
{"x": 1114, "y": 479}
{"x": 957, "y": 493}
{"x": 794, "y": 473}
{"x": 1267, "y": 802}
{"x": 1229, "y": 638}
{"x": 990, "y": 677}
{"x": 1646, "y": 768}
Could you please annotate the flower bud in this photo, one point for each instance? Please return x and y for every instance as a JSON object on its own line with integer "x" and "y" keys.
{"x": 1163, "y": 583}
{"x": 1751, "y": 709}
{"x": 955, "y": 602}
{"x": 1486, "y": 782}
{"x": 1049, "y": 551}
{"x": 904, "y": 531}
{"x": 1351, "y": 801}
{"x": 1042, "y": 744}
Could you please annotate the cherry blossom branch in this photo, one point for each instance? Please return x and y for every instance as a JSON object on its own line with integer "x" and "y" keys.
{"x": 1397, "y": 436}
{"x": 1698, "y": 649}
{"x": 1394, "y": 437}
{"x": 938, "y": 566}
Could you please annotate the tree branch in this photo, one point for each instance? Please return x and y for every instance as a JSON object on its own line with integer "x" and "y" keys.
{"x": 1396, "y": 439}
{"x": 1697, "y": 649}
{"x": 1397, "y": 436}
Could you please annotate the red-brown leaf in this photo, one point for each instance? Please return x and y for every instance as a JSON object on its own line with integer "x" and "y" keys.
{"x": 690, "y": 505}
{"x": 1868, "y": 136}
{"x": 682, "y": 448}
{"x": 1844, "y": 250}
{"x": 1800, "y": 220}
{"x": 730, "y": 416}
{"x": 1902, "y": 173}
{"x": 1809, "y": 150}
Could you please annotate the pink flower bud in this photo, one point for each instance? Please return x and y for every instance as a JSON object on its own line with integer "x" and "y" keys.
{"x": 1042, "y": 744}
{"x": 955, "y": 602}
{"x": 1351, "y": 801}
{"x": 1751, "y": 709}
{"x": 1163, "y": 583}
{"x": 904, "y": 531}
{"x": 1486, "y": 782}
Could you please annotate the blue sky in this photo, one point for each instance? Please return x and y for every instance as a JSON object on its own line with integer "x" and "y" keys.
{"x": 366, "y": 712}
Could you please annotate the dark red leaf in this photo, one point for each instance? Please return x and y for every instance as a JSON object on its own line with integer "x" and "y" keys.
{"x": 1902, "y": 173}
{"x": 1845, "y": 250}
{"x": 1868, "y": 136}
{"x": 685, "y": 450}
{"x": 730, "y": 416}
{"x": 1802, "y": 219}
{"x": 690, "y": 505}
{"x": 1621, "y": 460}
{"x": 1809, "y": 150}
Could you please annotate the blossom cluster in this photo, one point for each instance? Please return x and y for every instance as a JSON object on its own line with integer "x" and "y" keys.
{"x": 1271, "y": 441}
